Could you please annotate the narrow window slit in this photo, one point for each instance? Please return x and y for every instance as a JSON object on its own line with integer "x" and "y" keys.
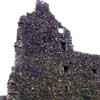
{"x": 94, "y": 71}
{"x": 63, "y": 45}
{"x": 66, "y": 88}
{"x": 66, "y": 69}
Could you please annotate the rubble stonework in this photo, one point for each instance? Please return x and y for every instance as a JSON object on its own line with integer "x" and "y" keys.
{"x": 46, "y": 66}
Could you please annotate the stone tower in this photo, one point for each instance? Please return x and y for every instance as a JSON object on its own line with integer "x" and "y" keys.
{"x": 38, "y": 73}
{"x": 46, "y": 66}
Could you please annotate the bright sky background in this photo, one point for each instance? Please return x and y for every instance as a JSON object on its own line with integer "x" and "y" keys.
{"x": 81, "y": 17}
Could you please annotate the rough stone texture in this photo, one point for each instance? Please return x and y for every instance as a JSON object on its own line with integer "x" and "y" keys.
{"x": 3, "y": 98}
{"x": 46, "y": 66}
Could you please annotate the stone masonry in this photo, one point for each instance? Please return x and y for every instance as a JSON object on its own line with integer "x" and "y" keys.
{"x": 46, "y": 65}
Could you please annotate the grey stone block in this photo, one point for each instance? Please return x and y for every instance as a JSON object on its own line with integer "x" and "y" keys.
{"x": 3, "y": 98}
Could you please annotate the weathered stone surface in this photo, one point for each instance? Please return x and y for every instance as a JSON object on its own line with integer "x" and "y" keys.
{"x": 46, "y": 66}
{"x": 3, "y": 98}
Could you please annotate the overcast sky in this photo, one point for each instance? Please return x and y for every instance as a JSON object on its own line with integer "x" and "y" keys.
{"x": 81, "y": 17}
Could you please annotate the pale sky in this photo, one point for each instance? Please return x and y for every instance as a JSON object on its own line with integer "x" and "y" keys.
{"x": 81, "y": 17}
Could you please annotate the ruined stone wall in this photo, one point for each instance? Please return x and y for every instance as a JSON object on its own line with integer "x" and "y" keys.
{"x": 38, "y": 73}
{"x": 82, "y": 75}
{"x": 67, "y": 76}
{"x": 46, "y": 66}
